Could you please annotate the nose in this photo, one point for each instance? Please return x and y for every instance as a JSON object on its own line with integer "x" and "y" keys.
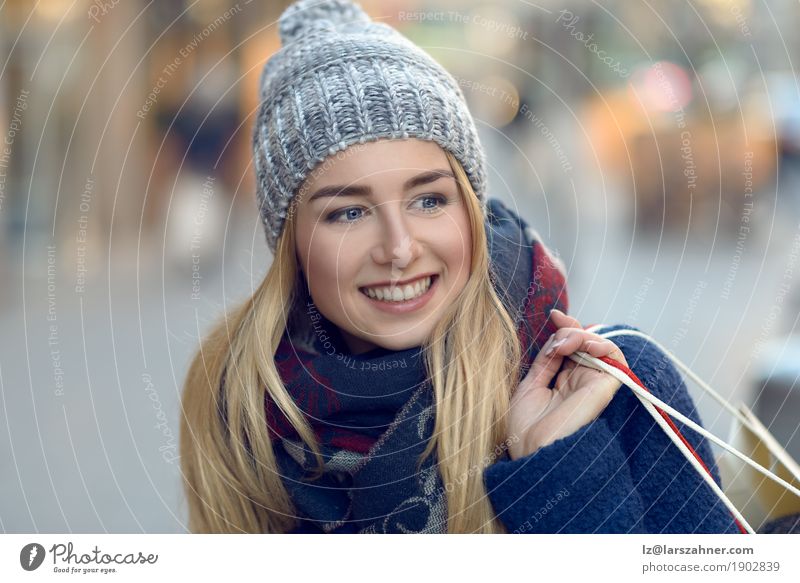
{"x": 397, "y": 244}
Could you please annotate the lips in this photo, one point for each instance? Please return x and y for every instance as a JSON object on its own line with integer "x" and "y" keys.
{"x": 404, "y": 307}
{"x": 399, "y": 293}
{"x": 412, "y": 281}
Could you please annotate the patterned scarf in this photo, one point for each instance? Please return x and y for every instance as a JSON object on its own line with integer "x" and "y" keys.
{"x": 373, "y": 413}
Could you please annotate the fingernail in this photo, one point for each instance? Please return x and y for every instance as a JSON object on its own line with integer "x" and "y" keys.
{"x": 555, "y": 345}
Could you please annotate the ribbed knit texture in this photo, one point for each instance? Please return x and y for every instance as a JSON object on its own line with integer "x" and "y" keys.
{"x": 341, "y": 79}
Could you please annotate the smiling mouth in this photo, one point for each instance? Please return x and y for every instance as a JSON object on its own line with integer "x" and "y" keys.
{"x": 401, "y": 293}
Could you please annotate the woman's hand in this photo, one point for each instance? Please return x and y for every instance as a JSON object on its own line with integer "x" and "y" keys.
{"x": 540, "y": 415}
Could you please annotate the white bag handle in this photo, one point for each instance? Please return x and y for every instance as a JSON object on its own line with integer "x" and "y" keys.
{"x": 650, "y": 402}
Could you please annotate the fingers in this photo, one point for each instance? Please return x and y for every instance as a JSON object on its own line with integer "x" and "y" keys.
{"x": 599, "y": 348}
{"x": 571, "y": 337}
{"x": 562, "y": 320}
{"x": 568, "y": 340}
{"x": 544, "y": 367}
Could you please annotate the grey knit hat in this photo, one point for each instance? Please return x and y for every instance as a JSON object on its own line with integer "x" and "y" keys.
{"x": 340, "y": 79}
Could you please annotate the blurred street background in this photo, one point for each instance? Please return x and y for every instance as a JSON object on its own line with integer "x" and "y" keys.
{"x": 655, "y": 146}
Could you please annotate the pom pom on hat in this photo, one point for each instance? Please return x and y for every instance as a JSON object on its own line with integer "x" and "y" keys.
{"x": 307, "y": 16}
{"x": 348, "y": 80}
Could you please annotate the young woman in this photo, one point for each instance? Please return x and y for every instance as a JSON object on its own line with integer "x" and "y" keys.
{"x": 403, "y": 365}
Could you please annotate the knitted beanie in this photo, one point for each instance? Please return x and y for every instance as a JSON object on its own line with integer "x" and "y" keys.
{"x": 340, "y": 79}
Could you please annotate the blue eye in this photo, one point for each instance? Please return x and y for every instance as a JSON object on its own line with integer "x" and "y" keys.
{"x": 441, "y": 200}
{"x": 353, "y": 214}
{"x": 332, "y": 218}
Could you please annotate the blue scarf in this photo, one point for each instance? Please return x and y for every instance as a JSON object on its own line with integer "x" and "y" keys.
{"x": 373, "y": 413}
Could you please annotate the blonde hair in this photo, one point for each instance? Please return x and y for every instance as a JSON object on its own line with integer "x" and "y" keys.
{"x": 472, "y": 357}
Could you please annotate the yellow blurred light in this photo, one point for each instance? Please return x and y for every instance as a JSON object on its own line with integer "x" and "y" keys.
{"x": 208, "y": 10}
{"x": 728, "y": 13}
{"x": 493, "y": 99}
{"x": 492, "y": 30}
{"x": 56, "y": 9}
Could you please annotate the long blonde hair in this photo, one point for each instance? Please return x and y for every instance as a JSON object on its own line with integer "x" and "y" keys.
{"x": 231, "y": 479}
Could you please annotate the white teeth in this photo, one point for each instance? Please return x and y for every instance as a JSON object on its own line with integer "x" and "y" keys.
{"x": 399, "y": 294}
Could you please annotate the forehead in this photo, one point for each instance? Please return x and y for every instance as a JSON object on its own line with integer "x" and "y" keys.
{"x": 388, "y": 159}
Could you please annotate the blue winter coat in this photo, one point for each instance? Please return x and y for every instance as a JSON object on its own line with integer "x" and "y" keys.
{"x": 618, "y": 474}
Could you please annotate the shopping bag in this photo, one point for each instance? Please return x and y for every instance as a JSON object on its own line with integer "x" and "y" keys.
{"x": 768, "y": 492}
{"x": 758, "y": 498}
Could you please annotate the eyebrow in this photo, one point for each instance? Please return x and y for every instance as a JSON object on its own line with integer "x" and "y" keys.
{"x": 355, "y": 190}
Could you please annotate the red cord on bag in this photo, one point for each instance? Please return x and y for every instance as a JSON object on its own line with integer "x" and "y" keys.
{"x": 630, "y": 373}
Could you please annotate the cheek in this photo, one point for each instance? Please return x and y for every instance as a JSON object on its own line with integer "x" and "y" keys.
{"x": 330, "y": 270}
{"x": 315, "y": 253}
{"x": 455, "y": 243}
{"x": 322, "y": 269}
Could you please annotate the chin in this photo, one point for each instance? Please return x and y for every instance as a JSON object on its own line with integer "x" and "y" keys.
{"x": 399, "y": 342}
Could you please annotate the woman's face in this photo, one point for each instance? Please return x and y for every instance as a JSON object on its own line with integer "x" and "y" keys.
{"x": 383, "y": 239}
